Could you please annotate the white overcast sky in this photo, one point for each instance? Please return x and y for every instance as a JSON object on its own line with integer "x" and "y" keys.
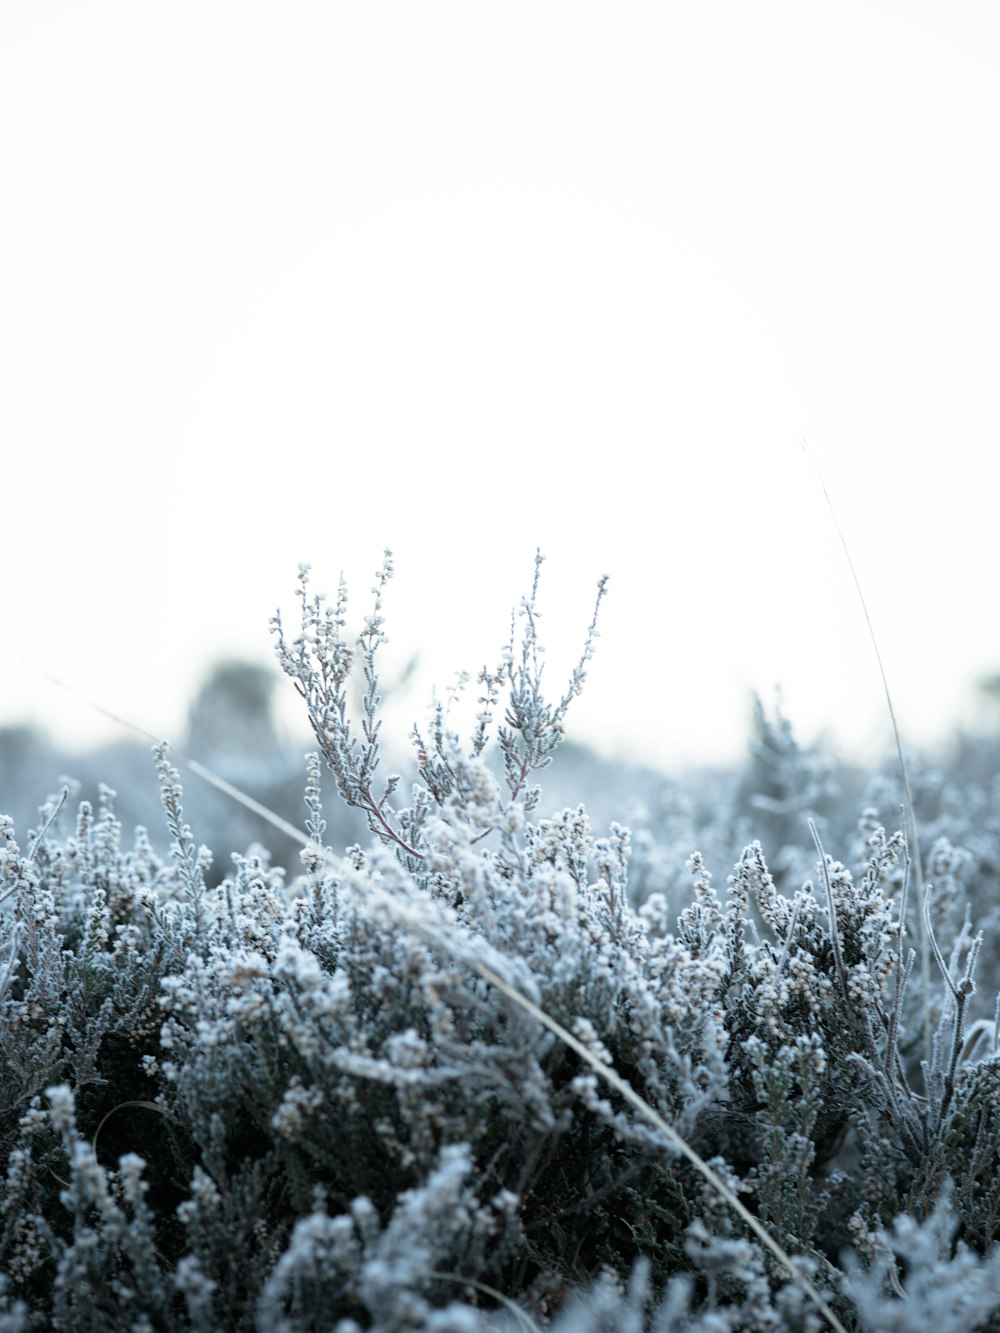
{"x": 288, "y": 281}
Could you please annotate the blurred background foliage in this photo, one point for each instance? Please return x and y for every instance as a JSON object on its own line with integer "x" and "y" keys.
{"x": 235, "y": 727}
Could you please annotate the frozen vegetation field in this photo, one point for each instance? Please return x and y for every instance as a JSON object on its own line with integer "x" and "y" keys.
{"x": 504, "y": 1038}
{"x": 589, "y": 990}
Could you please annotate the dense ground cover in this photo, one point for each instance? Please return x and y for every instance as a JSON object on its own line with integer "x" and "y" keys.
{"x": 494, "y": 1067}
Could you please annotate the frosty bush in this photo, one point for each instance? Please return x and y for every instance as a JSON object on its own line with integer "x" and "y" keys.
{"x": 332, "y": 1103}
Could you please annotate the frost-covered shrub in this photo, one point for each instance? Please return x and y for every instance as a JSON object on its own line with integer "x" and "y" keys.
{"x": 332, "y": 1103}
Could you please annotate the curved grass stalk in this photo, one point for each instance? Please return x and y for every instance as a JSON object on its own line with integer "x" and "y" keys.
{"x": 407, "y": 916}
{"x": 911, "y": 831}
{"x": 522, "y": 1316}
{"x": 625, "y": 1089}
{"x": 192, "y": 765}
{"x": 149, "y": 1106}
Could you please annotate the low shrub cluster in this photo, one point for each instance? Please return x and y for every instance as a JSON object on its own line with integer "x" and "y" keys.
{"x": 333, "y": 1103}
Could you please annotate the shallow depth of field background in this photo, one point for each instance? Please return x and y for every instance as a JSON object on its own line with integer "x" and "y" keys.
{"x": 289, "y": 283}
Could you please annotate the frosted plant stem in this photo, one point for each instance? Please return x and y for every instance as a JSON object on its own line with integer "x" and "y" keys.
{"x": 47, "y": 825}
{"x": 911, "y": 831}
{"x": 36, "y": 844}
{"x": 838, "y": 957}
{"x": 789, "y": 936}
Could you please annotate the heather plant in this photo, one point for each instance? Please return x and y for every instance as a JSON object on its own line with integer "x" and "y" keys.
{"x": 492, "y": 1069}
